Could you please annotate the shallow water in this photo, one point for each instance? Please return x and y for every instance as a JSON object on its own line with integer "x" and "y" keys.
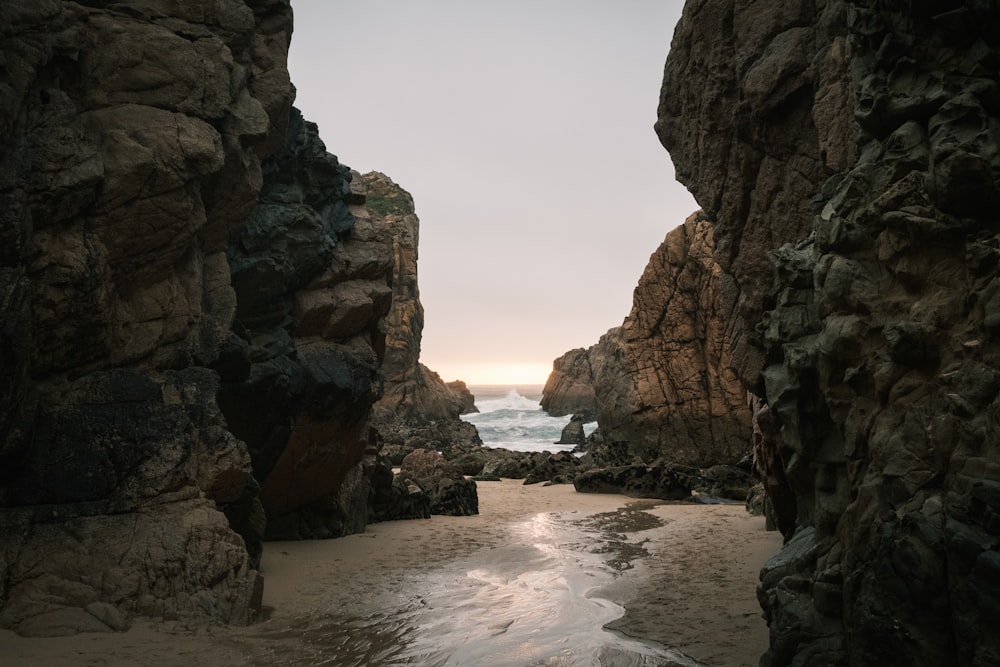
{"x": 535, "y": 600}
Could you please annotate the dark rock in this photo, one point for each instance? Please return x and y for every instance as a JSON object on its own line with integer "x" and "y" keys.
{"x": 572, "y": 433}
{"x": 449, "y": 491}
{"x": 569, "y": 388}
{"x": 454, "y": 438}
{"x": 532, "y": 467}
{"x": 638, "y": 481}
{"x": 855, "y": 145}
{"x": 395, "y": 497}
{"x": 313, "y": 335}
{"x": 727, "y": 482}
{"x": 557, "y": 468}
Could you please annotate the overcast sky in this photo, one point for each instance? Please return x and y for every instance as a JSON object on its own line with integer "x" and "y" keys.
{"x": 524, "y": 131}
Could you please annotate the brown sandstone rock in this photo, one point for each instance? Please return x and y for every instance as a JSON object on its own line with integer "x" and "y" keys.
{"x": 413, "y": 392}
{"x": 309, "y": 331}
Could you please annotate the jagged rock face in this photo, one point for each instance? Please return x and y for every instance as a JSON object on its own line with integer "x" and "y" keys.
{"x": 880, "y": 333}
{"x": 676, "y": 394}
{"x": 663, "y": 380}
{"x": 310, "y": 331}
{"x": 761, "y": 93}
{"x": 569, "y": 388}
{"x": 130, "y": 148}
{"x": 413, "y": 393}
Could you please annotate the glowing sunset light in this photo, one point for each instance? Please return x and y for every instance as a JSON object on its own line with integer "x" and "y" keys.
{"x": 479, "y": 373}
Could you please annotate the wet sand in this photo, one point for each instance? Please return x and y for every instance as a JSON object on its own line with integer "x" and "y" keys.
{"x": 687, "y": 580}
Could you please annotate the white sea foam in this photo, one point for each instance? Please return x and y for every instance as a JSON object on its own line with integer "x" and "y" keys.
{"x": 512, "y": 417}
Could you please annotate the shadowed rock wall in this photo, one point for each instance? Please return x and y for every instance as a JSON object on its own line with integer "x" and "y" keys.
{"x": 569, "y": 389}
{"x": 856, "y": 146}
{"x": 130, "y": 148}
{"x": 302, "y": 370}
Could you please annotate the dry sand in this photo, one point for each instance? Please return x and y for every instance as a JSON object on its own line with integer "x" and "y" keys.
{"x": 694, "y": 592}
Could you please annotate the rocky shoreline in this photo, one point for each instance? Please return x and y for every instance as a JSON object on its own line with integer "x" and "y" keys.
{"x": 210, "y": 327}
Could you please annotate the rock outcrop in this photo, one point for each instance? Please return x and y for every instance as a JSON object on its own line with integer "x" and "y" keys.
{"x": 573, "y": 433}
{"x": 417, "y": 410}
{"x": 301, "y": 372}
{"x": 131, "y": 141}
{"x": 448, "y": 491}
{"x": 413, "y": 392}
{"x": 663, "y": 382}
{"x": 856, "y": 145}
{"x": 569, "y": 389}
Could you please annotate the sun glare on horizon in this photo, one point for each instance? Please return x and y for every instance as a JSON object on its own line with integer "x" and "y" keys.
{"x": 525, "y": 373}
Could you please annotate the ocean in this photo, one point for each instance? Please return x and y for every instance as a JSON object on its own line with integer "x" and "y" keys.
{"x": 511, "y": 417}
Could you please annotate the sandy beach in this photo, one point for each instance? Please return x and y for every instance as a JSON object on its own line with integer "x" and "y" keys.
{"x": 685, "y": 574}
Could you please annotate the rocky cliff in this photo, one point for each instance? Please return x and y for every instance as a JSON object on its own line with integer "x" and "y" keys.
{"x": 418, "y": 410}
{"x": 301, "y": 372}
{"x": 848, "y": 155}
{"x": 412, "y": 392}
{"x": 569, "y": 389}
{"x": 190, "y": 328}
{"x": 663, "y": 382}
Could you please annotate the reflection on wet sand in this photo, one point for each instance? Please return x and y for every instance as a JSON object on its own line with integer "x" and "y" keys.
{"x": 530, "y": 601}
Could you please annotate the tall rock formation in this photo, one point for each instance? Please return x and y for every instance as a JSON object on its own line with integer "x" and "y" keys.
{"x": 412, "y": 392}
{"x": 301, "y": 372}
{"x": 131, "y": 140}
{"x": 418, "y": 410}
{"x": 663, "y": 381}
{"x": 857, "y": 147}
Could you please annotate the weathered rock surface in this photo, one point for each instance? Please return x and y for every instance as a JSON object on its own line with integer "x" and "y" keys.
{"x": 532, "y": 467}
{"x": 448, "y": 490}
{"x": 573, "y": 433}
{"x": 130, "y": 149}
{"x": 638, "y": 481}
{"x": 856, "y": 145}
{"x": 761, "y": 94}
{"x": 569, "y": 389}
{"x": 310, "y": 335}
{"x": 417, "y": 410}
{"x": 663, "y": 382}
{"x": 413, "y": 392}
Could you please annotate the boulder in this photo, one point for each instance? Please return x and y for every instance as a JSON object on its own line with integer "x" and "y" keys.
{"x": 663, "y": 382}
{"x": 395, "y": 497}
{"x": 448, "y": 490}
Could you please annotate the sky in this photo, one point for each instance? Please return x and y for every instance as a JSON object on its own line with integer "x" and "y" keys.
{"x": 524, "y": 131}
